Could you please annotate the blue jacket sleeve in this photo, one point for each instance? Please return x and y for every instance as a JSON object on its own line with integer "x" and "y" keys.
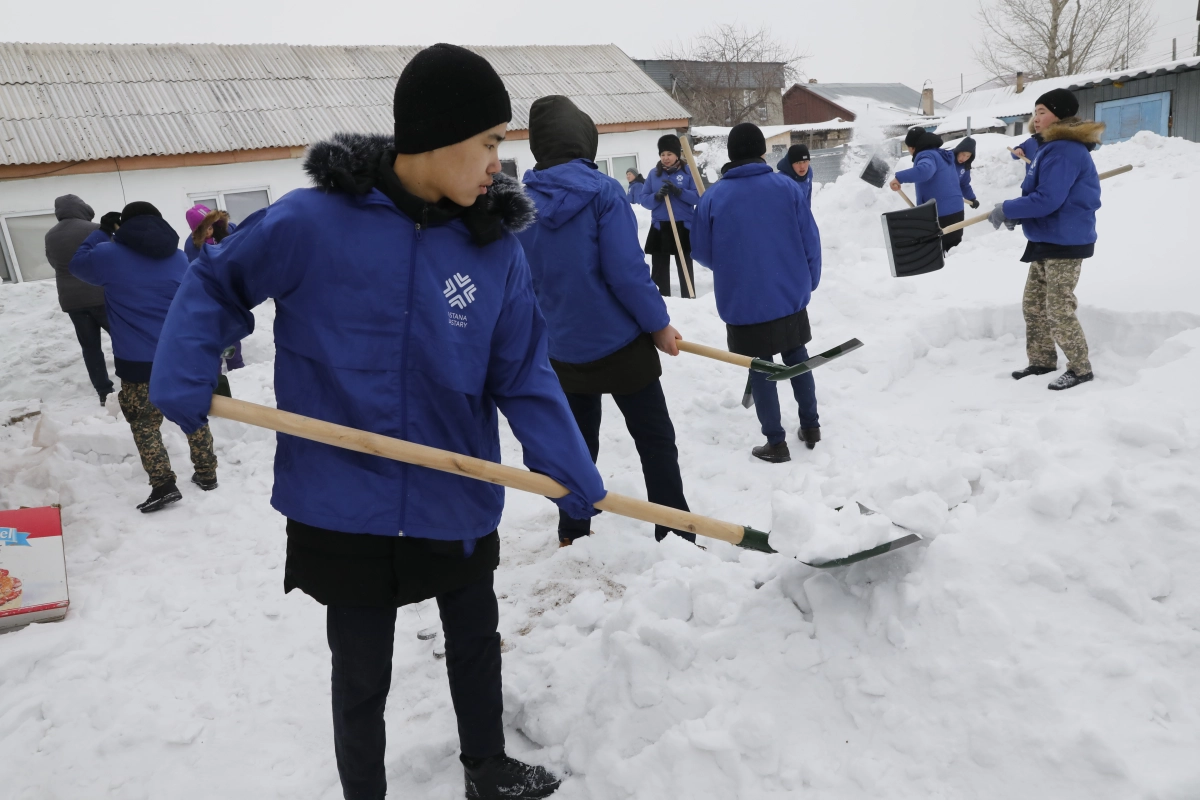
{"x": 646, "y": 196}
{"x": 702, "y": 232}
{"x": 810, "y": 236}
{"x": 689, "y": 194}
{"x": 922, "y": 170}
{"x": 529, "y": 395}
{"x": 1056, "y": 175}
{"x": 623, "y": 266}
{"x": 211, "y": 311}
{"x": 964, "y": 183}
{"x": 87, "y": 264}
{"x": 1029, "y": 147}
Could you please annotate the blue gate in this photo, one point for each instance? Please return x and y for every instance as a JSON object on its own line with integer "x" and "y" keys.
{"x": 1123, "y": 118}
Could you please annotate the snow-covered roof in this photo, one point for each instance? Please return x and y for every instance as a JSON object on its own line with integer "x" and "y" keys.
{"x": 875, "y": 99}
{"x": 81, "y": 102}
{"x": 1005, "y": 102}
{"x": 771, "y": 131}
{"x": 958, "y": 122}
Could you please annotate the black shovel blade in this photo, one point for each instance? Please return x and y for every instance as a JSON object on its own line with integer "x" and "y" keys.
{"x": 810, "y": 364}
{"x": 914, "y": 240}
{"x": 863, "y": 555}
{"x": 876, "y": 171}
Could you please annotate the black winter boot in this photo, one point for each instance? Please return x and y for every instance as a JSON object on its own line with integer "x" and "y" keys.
{"x": 1032, "y": 370}
{"x": 810, "y": 437}
{"x": 503, "y": 778}
{"x": 1067, "y": 380}
{"x": 207, "y": 484}
{"x": 774, "y": 453}
{"x": 160, "y": 498}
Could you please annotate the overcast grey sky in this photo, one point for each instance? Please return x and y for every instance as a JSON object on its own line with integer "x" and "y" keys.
{"x": 848, "y": 40}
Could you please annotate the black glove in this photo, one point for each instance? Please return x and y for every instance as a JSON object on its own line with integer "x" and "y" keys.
{"x": 973, "y": 203}
{"x": 110, "y": 222}
{"x": 667, "y": 189}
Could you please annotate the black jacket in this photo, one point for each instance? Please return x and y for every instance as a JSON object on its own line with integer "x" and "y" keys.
{"x": 74, "y": 225}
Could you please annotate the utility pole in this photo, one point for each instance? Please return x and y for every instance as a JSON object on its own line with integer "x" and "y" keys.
{"x": 1173, "y": 49}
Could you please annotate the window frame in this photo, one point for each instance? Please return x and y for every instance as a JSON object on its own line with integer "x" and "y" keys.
{"x": 195, "y": 197}
{"x": 10, "y": 251}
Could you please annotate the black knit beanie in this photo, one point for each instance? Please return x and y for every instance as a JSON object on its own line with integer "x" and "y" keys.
{"x": 670, "y": 144}
{"x": 139, "y": 208}
{"x": 798, "y": 152}
{"x": 1060, "y": 102}
{"x": 913, "y": 136}
{"x": 445, "y": 95}
{"x": 746, "y": 141}
{"x": 559, "y": 132}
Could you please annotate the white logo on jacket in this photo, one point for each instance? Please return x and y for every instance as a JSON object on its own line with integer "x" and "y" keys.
{"x": 460, "y": 291}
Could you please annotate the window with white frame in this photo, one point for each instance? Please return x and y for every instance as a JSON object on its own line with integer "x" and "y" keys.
{"x": 616, "y": 166}
{"x": 23, "y": 246}
{"x": 239, "y": 203}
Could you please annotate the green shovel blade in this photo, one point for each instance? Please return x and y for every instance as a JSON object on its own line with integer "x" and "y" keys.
{"x": 823, "y": 358}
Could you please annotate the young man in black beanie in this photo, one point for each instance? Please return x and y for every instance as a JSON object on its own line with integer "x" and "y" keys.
{"x": 1057, "y": 214}
{"x": 755, "y": 231}
{"x": 669, "y": 178}
{"x": 418, "y": 321}
{"x": 796, "y": 164}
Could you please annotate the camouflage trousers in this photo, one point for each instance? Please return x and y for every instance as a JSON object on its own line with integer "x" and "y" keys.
{"x": 145, "y": 421}
{"x": 1049, "y": 306}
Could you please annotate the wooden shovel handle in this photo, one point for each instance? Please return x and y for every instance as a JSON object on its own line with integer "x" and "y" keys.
{"x": 683, "y": 265}
{"x": 715, "y": 353}
{"x": 1018, "y": 155}
{"x": 911, "y": 204}
{"x": 444, "y": 461}
{"x": 973, "y": 220}
{"x": 691, "y": 162}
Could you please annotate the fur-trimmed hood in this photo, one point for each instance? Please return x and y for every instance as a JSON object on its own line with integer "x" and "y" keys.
{"x": 1074, "y": 129}
{"x": 349, "y": 163}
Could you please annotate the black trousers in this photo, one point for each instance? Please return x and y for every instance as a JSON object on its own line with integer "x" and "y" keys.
{"x": 660, "y": 271}
{"x": 649, "y": 424}
{"x": 361, "y": 638}
{"x": 952, "y": 239}
{"x": 88, "y": 323}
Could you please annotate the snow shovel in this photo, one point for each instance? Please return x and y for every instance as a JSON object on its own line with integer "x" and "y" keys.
{"x": 490, "y": 472}
{"x": 914, "y": 239}
{"x": 876, "y": 171}
{"x": 683, "y": 264}
{"x": 774, "y": 371}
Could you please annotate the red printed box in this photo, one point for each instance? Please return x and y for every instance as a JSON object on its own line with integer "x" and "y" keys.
{"x": 33, "y": 567}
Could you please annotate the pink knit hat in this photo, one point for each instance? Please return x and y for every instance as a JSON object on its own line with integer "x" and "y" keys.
{"x": 195, "y": 215}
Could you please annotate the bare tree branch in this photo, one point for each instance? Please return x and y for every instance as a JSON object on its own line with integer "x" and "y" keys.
{"x": 730, "y": 74}
{"x": 1052, "y": 38}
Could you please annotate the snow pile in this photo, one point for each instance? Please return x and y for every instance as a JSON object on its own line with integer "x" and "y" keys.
{"x": 1043, "y": 641}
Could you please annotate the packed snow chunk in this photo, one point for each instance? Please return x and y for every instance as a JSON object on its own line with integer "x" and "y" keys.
{"x": 844, "y": 532}
{"x": 586, "y": 609}
{"x": 925, "y": 513}
{"x": 793, "y": 522}
{"x": 1056, "y": 492}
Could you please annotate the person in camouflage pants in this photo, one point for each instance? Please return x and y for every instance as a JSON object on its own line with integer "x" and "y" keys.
{"x": 145, "y": 421}
{"x": 1049, "y": 306}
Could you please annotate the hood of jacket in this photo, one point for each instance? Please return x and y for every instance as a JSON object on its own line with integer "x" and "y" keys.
{"x": 351, "y": 163}
{"x": 967, "y": 145}
{"x": 71, "y": 207}
{"x": 559, "y": 132}
{"x": 149, "y": 235}
{"x": 745, "y": 168}
{"x": 927, "y": 140}
{"x": 1074, "y": 129}
{"x": 565, "y": 190}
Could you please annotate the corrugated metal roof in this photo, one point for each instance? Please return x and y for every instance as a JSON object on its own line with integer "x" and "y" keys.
{"x": 70, "y": 102}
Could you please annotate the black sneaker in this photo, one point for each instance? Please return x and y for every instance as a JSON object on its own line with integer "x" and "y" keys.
{"x": 160, "y": 498}
{"x": 207, "y": 484}
{"x": 810, "y": 437}
{"x": 504, "y": 778}
{"x": 1032, "y": 370}
{"x": 774, "y": 453}
{"x": 1067, "y": 380}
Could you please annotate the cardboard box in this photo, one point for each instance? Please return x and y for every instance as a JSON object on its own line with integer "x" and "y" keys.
{"x": 33, "y": 567}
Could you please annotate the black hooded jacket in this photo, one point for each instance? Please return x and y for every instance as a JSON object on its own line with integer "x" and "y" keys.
{"x": 74, "y": 225}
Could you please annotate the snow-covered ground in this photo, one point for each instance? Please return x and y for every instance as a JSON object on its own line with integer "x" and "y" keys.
{"x": 1043, "y": 642}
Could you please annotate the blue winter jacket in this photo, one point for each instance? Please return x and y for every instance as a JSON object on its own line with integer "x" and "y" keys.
{"x": 634, "y": 193}
{"x": 806, "y": 183}
{"x": 189, "y": 247}
{"x": 140, "y": 269}
{"x": 933, "y": 171}
{"x": 1061, "y": 191}
{"x": 391, "y": 326}
{"x": 589, "y": 272}
{"x": 683, "y": 205}
{"x": 1030, "y": 147}
{"x": 755, "y": 231}
{"x": 964, "y": 183}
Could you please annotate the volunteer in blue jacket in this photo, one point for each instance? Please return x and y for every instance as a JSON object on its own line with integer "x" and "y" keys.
{"x": 635, "y": 183}
{"x": 1057, "y": 212}
{"x": 669, "y": 178}
{"x": 934, "y": 173}
{"x": 603, "y": 313}
{"x": 797, "y": 165}
{"x": 138, "y": 262}
{"x": 964, "y": 157}
{"x": 755, "y": 231}
{"x": 417, "y": 321}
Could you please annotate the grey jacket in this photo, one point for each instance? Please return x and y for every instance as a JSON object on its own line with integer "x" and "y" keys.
{"x": 74, "y": 225}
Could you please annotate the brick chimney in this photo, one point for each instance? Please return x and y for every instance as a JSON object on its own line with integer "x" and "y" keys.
{"x": 1020, "y": 82}
{"x": 927, "y": 101}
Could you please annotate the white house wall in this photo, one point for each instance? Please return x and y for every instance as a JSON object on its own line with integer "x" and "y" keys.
{"x": 643, "y": 144}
